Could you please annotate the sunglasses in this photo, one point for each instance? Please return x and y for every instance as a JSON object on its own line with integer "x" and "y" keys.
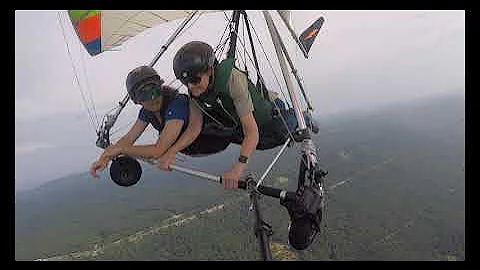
{"x": 147, "y": 93}
{"x": 194, "y": 80}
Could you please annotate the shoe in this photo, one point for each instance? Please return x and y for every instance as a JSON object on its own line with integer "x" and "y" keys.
{"x": 301, "y": 233}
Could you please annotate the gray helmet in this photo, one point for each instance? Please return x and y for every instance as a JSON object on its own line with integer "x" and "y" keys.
{"x": 139, "y": 77}
{"x": 192, "y": 58}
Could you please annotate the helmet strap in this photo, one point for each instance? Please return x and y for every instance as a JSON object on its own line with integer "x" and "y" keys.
{"x": 211, "y": 78}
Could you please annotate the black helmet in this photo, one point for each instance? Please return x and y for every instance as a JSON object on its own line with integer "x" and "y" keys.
{"x": 192, "y": 58}
{"x": 139, "y": 78}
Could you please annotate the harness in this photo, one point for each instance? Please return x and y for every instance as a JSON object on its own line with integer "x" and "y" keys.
{"x": 217, "y": 104}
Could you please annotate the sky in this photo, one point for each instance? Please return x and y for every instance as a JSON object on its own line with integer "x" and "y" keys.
{"x": 361, "y": 59}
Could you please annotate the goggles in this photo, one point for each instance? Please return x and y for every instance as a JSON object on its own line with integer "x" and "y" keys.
{"x": 191, "y": 80}
{"x": 147, "y": 93}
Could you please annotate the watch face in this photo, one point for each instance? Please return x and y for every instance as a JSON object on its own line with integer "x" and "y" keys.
{"x": 242, "y": 159}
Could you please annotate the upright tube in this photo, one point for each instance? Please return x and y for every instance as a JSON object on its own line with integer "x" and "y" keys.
{"x": 294, "y": 35}
{"x": 294, "y": 71}
{"x": 308, "y": 145}
{"x": 103, "y": 140}
{"x": 297, "y": 106}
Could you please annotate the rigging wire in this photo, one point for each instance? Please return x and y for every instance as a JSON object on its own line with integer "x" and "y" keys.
{"x": 190, "y": 24}
{"x": 242, "y": 43}
{"x": 92, "y": 121}
{"x": 258, "y": 72}
{"x": 270, "y": 64}
{"x": 244, "y": 49}
{"x": 347, "y": 180}
{"x": 123, "y": 127}
{"x": 89, "y": 92}
{"x": 298, "y": 55}
{"x": 221, "y": 45}
{"x": 303, "y": 158}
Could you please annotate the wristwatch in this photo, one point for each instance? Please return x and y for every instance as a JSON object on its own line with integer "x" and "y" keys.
{"x": 243, "y": 159}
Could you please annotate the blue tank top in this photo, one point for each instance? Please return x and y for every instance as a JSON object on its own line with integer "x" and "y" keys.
{"x": 177, "y": 109}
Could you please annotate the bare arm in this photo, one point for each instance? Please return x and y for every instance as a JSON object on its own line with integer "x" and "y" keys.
{"x": 132, "y": 135}
{"x": 250, "y": 141}
{"x": 191, "y": 132}
{"x": 128, "y": 139}
{"x": 169, "y": 134}
{"x": 238, "y": 85}
{"x": 242, "y": 101}
{"x": 250, "y": 132}
{"x": 189, "y": 135}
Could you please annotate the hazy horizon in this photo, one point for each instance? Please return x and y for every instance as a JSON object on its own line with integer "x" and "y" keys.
{"x": 361, "y": 60}
{"x": 73, "y": 169}
{"x": 395, "y": 191}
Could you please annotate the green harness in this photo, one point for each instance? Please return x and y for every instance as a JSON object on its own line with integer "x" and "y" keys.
{"x": 218, "y": 102}
{"x": 221, "y": 119}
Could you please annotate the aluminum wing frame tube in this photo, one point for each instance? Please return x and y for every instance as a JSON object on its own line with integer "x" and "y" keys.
{"x": 173, "y": 37}
{"x": 290, "y": 63}
{"x": 200, "y": 174}
{"x": 192, "y": 172}
{"x": 103, "y": 140}
{"x": 294, "y": 35}
{"x": 308, "y": 145}
{"x": 265, "y": 190}
{"x": 278, "y": 49}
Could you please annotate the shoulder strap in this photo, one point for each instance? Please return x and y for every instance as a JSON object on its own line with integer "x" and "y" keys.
{"x": 222, "y": 73}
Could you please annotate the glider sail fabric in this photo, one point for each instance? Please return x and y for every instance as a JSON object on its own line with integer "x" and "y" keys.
{"x": 309, "y": 35}
{"x": 88, "y": 27}
{"x": 103, "y": 30}
{"x": 286, "y": 16}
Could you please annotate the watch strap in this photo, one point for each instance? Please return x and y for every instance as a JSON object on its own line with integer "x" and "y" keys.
{"x": 243, "y": 159}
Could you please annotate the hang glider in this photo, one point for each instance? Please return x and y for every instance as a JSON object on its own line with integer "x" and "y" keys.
{"x": 104, "y": 30}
